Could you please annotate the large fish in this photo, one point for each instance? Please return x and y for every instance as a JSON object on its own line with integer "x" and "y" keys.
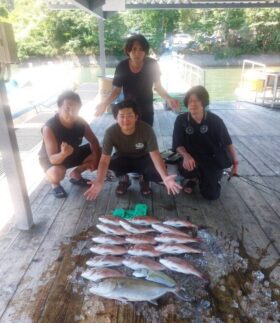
{"x": 166, "y": 229}
{"x": 131, "y": 289}
{"x": 95, "y": 274}
{"x": 112, "y": 229}
{"x": 133, "y": 228}
{"x": 142, "y": 262}
{"x": 181, "y": 266}
{"x": 180, "y": 223}
{"x": 103, "y": 249}
{"x": 144, "y": 250}
{"x": 175, "y": 238}
{"x": 143, "y": 220}
{"x": 109, "y": 219}
{"x": 154, "y": 276}
{"x": 105, "y": 261}
{"x": 176, "y": 248}
{"x": 109, "y": 239}
{"x": 140, "y": 238}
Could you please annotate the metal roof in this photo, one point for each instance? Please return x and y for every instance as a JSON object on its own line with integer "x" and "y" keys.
{"x": 102, "y": 7}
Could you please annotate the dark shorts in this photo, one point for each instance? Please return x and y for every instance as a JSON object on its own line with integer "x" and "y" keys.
{"x": 76, "y": 159}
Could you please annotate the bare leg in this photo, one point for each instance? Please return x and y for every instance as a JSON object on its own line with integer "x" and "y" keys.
{"x": 55, "y": 174}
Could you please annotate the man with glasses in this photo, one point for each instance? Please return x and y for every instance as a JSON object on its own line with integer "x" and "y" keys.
{"x": 61, "y": 148}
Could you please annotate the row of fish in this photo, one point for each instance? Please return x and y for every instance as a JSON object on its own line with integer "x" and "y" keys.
{"x": 140, "y": 232}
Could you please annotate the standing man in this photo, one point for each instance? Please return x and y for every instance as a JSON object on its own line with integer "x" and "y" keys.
{"x": 61, "y": 148}
{"x": 137, "y": 76}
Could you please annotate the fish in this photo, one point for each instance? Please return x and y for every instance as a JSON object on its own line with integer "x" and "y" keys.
{"x": 181, "y": 266}
{"x": 109, "y": 219}
{"x": 108, "y": 249}
{"x": 133, "y": 228}
{"x": 131, "y": 289}
{"x": 142, "y": 262}
{"x": 143, "y": 220}
{"x": 140, "y": 238}
{"x": 175, "y": 238}
{"x": 112, "y": 229}
{"x": 143, "y": 250}
{"x": 95, "y": 274}
{"x": 166, "y": 229}
{"x": 109, "y": 239}
{"x": 155, "y": 276}
{"x": 175, "y": 248}
{"x": 180, "y": 223}
{"x": 105, "y": 261}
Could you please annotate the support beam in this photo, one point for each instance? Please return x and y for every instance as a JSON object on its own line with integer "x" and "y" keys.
{"x": 12, "y": 164}
{"x": 102, "y": 57}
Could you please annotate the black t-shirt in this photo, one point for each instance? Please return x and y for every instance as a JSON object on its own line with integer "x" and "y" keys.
{"x": 192, "y": 136}
{"x": 137, "y": 86}
{"x": 72, "y": 136}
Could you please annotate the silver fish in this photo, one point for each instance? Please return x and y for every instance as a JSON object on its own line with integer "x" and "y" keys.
{"x": 103, "y": 249}
{"x": 180, "y": 223}
{"x": 105, "y": 261}
{"x": 176, "y": 248}
{"x": 140, "y": 238}
{"x": 95, "y": 274}
{"x": 130, "y": 289}
{"x": 175, "y": 238}
{"x": 143, "y": 250}
{"x": 155, "y": 276}
{"x": 109, "y": 239}
{"x": 181, "y": 266}
{"x": 133, "y": 228}
{"x": 166, "y": 229}
{"x": 142, "y": 262}
{"x": 112, "y": 229}
{"x": 109, "y": 219}
{"x": 143, "y": 220}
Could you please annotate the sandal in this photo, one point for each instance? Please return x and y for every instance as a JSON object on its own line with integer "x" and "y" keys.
{"x": 80, "y": 182}
{"x": 189, "y": 186}
{"x": 123, "y": 185}
{"x": 145, "y": 187}
{"x": 59, "y": 192}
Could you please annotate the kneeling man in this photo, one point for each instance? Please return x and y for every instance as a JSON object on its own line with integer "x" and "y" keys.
{"x": 136, "y": 151}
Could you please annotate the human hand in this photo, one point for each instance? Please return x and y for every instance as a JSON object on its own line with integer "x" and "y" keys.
{"x": 100, "y": 109}
{"x": 189, "y": 163}
{"x": 173, "y": 104}
{"x": 234, "y": 169}
{"x": 93, "y": 191}
{"x": 171, "y": 185}
{"x": 66, "y": 149}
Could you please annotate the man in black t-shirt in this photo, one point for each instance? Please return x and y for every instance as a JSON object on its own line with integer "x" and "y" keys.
{"x": 136, "y": 76}
{"x": 61, "y": 148}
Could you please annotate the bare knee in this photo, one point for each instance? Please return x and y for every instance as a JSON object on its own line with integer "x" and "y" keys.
{"x": 55, "y": 174}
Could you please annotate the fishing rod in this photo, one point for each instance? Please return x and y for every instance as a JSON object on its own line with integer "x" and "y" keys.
{"x": 251, "y": 182}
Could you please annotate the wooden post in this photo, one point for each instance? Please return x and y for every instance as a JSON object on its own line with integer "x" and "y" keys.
{"x": 12, "y": 164}
{"x": 101, "y": 46}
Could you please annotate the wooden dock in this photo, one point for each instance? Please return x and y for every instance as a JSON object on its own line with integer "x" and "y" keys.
{"x": 37, "y": 266}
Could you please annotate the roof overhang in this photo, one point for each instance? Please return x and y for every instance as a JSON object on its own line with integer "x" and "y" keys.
{"x": 105, "y": 8}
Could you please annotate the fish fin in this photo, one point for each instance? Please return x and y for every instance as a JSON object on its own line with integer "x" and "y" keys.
{"x": 123, "y": 300}
{"x": 153, "y": 302}
{"x": 181, "y": 294}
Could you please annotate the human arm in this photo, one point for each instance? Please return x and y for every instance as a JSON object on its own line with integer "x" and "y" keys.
{"x": 101, "y": 107}
{"x": 55, "y": 153}
{"x": 96, "y": 185}
{"x": 188, "y": 161}
{"x": 172, "y": 103}
{"x": 168, "y": 180}
{"x": 233, "y": 154}
{"x": 94, "y": 144}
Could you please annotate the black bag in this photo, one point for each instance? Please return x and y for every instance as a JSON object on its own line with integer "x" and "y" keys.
{"x": 222, "y": 158}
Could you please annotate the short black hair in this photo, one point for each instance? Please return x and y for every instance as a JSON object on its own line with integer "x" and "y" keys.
{"x": 124, "y": 105}
{"x": 136, "y": 38}
{"x": 68, "y": 95}
{"x": 200, "y": 92}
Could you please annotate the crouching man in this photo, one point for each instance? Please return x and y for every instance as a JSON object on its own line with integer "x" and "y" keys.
{"x": 136, "y": 151}
{"x": 61, "y": 148}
